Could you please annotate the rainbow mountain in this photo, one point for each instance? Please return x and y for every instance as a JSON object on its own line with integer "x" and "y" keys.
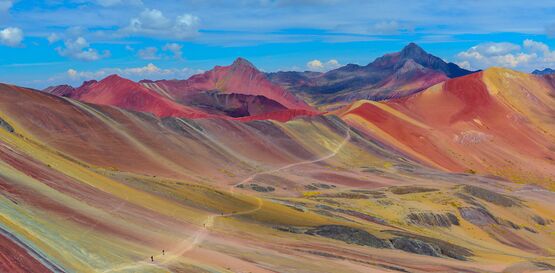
{"x": 234, "y": 170}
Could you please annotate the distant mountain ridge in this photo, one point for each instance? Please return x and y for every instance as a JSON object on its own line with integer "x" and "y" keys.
{"x": 393, "y": 75}
{"x": 236, "y": 91}
{"x": 546, "y": 71}
{"x": 241, "y": 77}
{"x": 126, "y": 94}
{"x": 241, "y": 90}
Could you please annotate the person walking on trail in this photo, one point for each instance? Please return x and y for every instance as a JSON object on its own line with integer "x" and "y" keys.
{"x": 152, "y": 258}
{"x": 163, "y": 252}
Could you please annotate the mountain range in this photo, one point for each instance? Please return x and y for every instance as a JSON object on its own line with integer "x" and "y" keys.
{"x": 407, "y": 164}
{"x": 241, "y": 90}
{"x": 391, "y": 76}
{"x": 234, "y": 91}
{"x": 545, "y": 71}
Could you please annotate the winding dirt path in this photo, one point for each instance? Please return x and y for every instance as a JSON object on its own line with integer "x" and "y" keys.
{"x": 198, "y": 237}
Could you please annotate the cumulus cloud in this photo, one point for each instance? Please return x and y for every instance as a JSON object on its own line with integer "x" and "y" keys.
{"x": 537, "y": 47}
{"x": 317, "y": 65}
{"x": 72, "y": 73}
{"x": 149, "y": 53}
{"x": 79, "y": 49}
{"x": 528, "y": 56}
{"x": 149, "y": 71}
{"x": 152, "y": 53}
{"x": 53, "y": 37}
{"x": 11, "y": 36}
{"x": 175, "y": 49}
{"x": 153, "y": 23}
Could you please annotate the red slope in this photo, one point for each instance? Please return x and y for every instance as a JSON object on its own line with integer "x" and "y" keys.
{"x": 126, "y": 94}
{"x": 60, "y": 90}
{"x": 16, "y": 259}
{"x": 406, "y": 133}
{"x": 488, "y": 122}
{"x": 241, "y": 77}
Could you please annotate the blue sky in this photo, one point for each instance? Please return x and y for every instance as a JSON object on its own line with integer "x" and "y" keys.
{"x": 50, "y": 42}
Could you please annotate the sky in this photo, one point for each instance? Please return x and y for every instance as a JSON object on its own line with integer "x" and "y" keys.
{"x": 49, "y": 42}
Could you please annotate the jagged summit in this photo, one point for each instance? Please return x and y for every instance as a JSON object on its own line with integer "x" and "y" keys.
{"x": 242, "y": 62}
{"x": 241, "y": 77}
{"x": 392, "y": 75}
{"x": 114, "y": 77}
{"x": 412, "y": 50}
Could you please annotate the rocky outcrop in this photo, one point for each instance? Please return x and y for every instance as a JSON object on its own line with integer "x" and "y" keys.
{"x": 416, "y": 246}
{"x": 353, "y": 213}
{"x": 433, "y": 219}
{"x": 345, "y": 195}
{"x": 477, "y": 216}
{"x": 317, "y": 186}
{"x": 544, "y": 266}
{"x": 6, "y": 126}
{"x": 401, "y": 190}
{"x": 507, "y": 223}
{"x": 429, "y": 246}
{"x": 480, "y": 216}
{"x": 258, "y": 188}
{"x": 349, "y": 235}
{"x": 490, "y": 196}
{"x": 289, "y": 229}
{"x": 403, "y": 241}
{"x": 540, "y": 221}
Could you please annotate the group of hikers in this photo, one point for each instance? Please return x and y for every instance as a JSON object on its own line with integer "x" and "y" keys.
{"x": 152, "y": 257}
{"x": 164, "y": 251}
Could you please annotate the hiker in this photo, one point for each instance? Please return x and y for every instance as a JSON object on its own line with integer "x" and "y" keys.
{"x": 163, "y": 252}
{"x": 152, "y": 258}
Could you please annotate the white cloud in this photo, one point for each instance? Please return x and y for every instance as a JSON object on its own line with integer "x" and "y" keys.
{"x": 526, "y": 57}
{"x": 153, "y": 23}
{"x": 464, "y": 64}
{"x": 72, "y": 73}
{"x": 149, "y": 53}
{"x": 5, "y": 5}
{"x": 175, "y": 49}
{"x": 11, "y": 36}
{"x": 79, "y": 49}
{"x": 317, "y": 65}
{"x": 496, "y": 49}
{"x": 149, "y": 71}
{"x": 152, "y": 53}
{"x": 52, "y": 38}
{"x": 537, "y": 47}
{"x": 186, "y": 25}
{"x": 386, "y": 27}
